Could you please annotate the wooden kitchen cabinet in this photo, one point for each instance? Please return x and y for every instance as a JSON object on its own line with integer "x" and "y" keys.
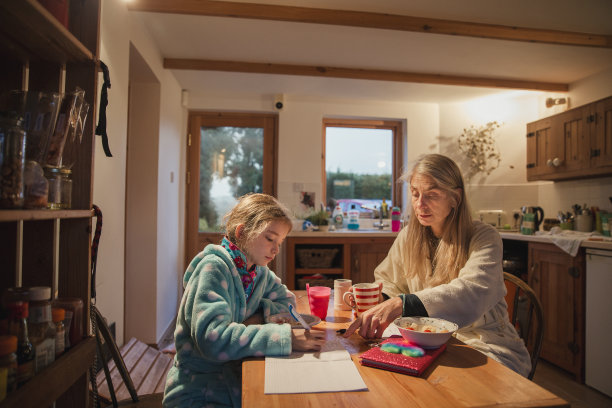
{"x": 559, "y": 281}
{"x": 365, "y": 257}
{"x": 52, "y": 247}
{"x": 573, "y": 144}
{"x": 357, "y": 256}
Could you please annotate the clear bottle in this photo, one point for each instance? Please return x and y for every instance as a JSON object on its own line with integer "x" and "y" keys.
{"x": 384, "y": 208}
{"x": 18, "y": 327}
{"x": 8, "y": 365}
{"x": 60, "y": 330}
{"x": 353, "y": 218}
{"x": 338, "y": 217}
{"x": 41, "y": 327}
{"x": 12, "y": 161}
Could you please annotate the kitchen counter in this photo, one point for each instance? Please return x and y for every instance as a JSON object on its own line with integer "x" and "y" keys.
{"x": 345, "y": 233}
{"x": 599, "y": 242}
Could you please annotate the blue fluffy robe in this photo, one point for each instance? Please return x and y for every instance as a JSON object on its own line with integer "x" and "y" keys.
{"x": 210, "y": 337}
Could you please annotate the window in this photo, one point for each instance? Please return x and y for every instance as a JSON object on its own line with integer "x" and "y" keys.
{"x": 362, "y": 162}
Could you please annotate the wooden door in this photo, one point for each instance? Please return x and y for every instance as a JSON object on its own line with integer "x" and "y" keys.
{"x": 558, "y": 280}
{"x": 538, "y": 135}
{"x": 601, "y": 138}
{"x": 575, "y": 132}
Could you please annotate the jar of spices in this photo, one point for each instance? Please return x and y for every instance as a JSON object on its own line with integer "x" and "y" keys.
{"x": 12, "y": 161}
{"x": 60, "y": 331}
{"x": 73, "y": 321}
{"x": 41, "y": 327}
{"x": 8, "y": 365}
{"x": 54, "y": 197}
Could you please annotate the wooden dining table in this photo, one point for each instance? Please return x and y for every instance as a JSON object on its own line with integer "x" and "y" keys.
{"x": 460, "y": 377}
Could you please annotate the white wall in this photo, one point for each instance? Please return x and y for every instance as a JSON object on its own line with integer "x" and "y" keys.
{"x": 506, "y": 188}
{"x": 118, "y": 30}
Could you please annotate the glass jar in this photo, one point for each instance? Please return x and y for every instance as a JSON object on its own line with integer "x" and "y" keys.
{"x": 12, "y": 161}
{"x": 73, "y": 320}
{"x": 66, "y": 193}
{"x": 60, "y": 187}
{"x": 40, "y": 327}
{"x": 54, "y": 197}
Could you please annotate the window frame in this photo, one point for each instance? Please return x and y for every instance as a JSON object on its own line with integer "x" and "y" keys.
{"x": 396, "y": 126}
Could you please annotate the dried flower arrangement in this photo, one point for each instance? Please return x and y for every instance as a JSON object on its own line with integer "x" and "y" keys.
{"x": 479, "y": 146}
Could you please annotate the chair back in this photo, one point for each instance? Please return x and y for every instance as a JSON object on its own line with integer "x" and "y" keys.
{"x": 525, "y": 312}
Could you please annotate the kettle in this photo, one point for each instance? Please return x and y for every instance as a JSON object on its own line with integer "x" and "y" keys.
{"x": 531, "y": 219}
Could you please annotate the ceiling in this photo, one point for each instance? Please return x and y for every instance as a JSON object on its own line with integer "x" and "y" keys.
{"x": 399, "y": 64}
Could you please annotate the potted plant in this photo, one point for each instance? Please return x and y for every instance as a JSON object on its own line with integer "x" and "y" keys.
{"x": 319, "y": 219}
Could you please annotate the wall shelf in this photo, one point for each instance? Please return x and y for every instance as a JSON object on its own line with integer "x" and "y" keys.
{"x": 30, "y": 32}
{"x": 48, "y": 385}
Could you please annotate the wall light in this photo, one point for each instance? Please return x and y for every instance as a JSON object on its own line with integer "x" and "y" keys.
{"x": 550, "y": 102}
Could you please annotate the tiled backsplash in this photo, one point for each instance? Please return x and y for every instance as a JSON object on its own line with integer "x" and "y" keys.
{"x": 552, "y": 197}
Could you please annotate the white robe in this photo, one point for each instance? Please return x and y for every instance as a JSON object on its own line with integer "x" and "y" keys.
{"x": 474, "y": 300}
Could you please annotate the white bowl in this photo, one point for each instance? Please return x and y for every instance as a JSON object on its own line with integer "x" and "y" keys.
{"x": 428, "y": 340}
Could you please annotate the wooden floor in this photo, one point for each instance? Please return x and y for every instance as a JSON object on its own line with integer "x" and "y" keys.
{"x": 563, "y": 385}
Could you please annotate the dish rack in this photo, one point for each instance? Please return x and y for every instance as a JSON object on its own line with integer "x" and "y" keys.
{"x": 316, "y": 257}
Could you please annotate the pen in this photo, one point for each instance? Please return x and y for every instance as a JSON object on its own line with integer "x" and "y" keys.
{"x": 298, "y": 317}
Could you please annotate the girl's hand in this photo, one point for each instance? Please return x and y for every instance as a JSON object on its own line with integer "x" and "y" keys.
{"x": 307, "y": 340}
{"x": 373, "y": 322}
{"x": 255, "y": 318}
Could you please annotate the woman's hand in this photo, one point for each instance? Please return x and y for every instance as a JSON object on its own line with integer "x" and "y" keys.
{"x": 307, "y": 340}
{"x": 373, "y": 322}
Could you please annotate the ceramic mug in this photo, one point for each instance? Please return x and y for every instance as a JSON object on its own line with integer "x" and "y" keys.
{"x": 363, "y": 297}
{"x": 341, "y": 286}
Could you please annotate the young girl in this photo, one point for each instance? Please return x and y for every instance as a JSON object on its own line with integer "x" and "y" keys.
{"x": 229, "y": 295}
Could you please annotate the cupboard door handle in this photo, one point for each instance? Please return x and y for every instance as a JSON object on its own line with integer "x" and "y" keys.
{"x": 534, "y": 270}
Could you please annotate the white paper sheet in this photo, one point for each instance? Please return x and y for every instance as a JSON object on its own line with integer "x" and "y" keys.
{"x": 330, "y": 370}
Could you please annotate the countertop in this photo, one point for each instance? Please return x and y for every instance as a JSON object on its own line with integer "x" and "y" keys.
{"x": 346, "y": 233}
{"x": 598, "y": 242}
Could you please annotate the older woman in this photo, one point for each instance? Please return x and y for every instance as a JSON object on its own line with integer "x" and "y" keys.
{"x": 445, "y": 265}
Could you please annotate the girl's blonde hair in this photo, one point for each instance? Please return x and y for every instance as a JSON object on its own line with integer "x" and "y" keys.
{"x": 451, "y": 253}
{"x": 255, "y": 211}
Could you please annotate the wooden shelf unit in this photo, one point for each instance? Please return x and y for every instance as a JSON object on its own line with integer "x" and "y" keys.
{"x": 48, "y": 247}
{"x": 358, "y": 256}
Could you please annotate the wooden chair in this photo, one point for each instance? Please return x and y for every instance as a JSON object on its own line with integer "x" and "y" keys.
{"x": 523, "y": 305}
{"x": 135, "y": 376}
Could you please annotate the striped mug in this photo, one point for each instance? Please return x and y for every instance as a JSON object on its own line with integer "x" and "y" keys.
{"x": 362, "y": 297}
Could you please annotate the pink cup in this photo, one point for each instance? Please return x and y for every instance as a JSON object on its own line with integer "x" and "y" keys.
{"x": 318, "y": 299}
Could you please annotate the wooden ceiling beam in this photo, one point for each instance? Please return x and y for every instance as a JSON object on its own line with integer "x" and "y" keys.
{"x": 356, "y": 73}
{"x": 369, "y": 20}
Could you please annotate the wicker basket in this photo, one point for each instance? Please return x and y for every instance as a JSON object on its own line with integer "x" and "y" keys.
{"x": 316, "y": 257}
